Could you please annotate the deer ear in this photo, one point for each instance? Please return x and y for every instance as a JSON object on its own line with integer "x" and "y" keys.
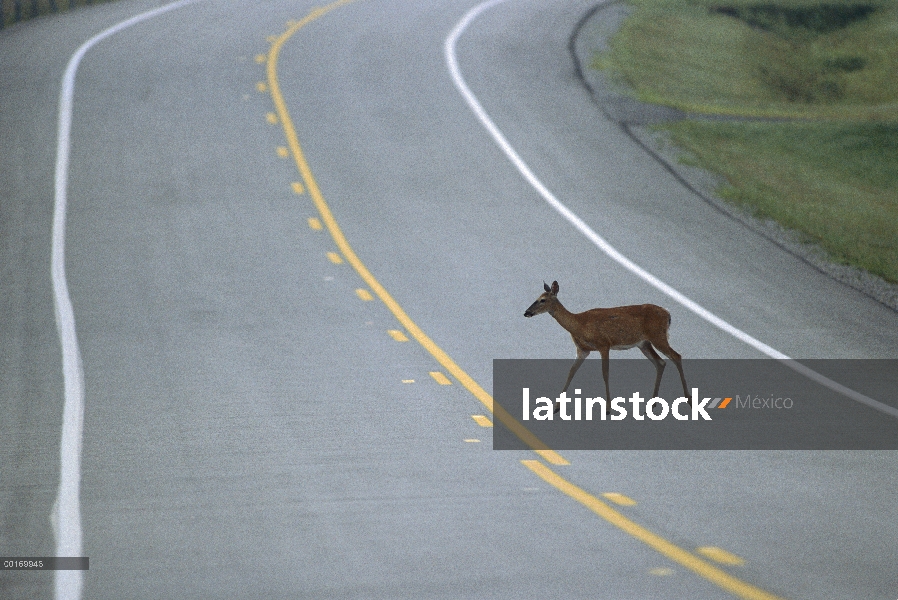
{"x": 554, "y": 287}
{"x": 546, "y": 286}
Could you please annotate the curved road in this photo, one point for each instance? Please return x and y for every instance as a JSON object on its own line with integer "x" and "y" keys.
{"x": 257, "y": 421}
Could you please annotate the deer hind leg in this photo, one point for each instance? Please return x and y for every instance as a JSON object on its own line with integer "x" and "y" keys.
{"x": 605, "y": 352}
{"x": 650, "y": 354}
{"x": 677, "y": 359}
{"x": 581, "y": 356}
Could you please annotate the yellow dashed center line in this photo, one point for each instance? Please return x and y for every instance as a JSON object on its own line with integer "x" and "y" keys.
{"x": 440, "y": 378}
{"x": 364, "y": 294}
{"x": 283, "y": 152}
{"x": 620, "y": 499}
{"x": 720, "y": 555}
{"x": 482, "y": 420}
{"x": 666, "y": 548}
{"x": 315, "y": 223}
{"x": 335, "y": 258}
{"x": 397, "y": 335}
{"x": 337, "y": 234}
{"x": 670, "y": 550}
{"x": 298, "y": 189}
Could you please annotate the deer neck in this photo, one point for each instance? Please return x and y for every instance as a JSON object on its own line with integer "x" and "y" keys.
{"x": 564, "y": 317}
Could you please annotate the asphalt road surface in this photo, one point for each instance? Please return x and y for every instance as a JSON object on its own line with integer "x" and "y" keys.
{"x": 258, "y": 423}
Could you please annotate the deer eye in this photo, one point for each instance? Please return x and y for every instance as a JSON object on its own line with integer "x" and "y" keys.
{"x": 542, "y": 300}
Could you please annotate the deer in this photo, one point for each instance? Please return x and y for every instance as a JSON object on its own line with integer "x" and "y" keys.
{"x": 644, "y": 326}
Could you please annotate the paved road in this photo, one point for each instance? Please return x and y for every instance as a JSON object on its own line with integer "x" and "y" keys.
{"x": 251, "y": 427}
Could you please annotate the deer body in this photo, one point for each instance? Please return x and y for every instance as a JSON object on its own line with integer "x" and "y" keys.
{"x": 604, "y": 329}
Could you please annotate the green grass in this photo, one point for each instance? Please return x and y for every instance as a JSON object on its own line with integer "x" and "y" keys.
{"x": 835, "y": 183}
{"x": 28, "y": 9}
{"x": 831, "y": 174}
{"x": 734, "y": 57}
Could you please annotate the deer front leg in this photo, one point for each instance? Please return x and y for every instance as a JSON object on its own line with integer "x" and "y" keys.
{"x": 581, "y": 356}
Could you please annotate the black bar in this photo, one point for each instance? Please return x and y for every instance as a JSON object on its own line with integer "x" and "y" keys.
{"x": 772, "y": 406}
{"x": 44, "y": 563}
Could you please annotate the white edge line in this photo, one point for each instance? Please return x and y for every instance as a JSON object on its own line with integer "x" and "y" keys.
{"x": 602, "y": 244}
{"x": 66, "y": 513}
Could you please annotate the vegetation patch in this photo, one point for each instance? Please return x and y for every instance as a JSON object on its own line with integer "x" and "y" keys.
{"x": 825, "y": 162}
{"x": 835, "y": 183}
{"x": 782, "y": 59}
{"x": 14, "y": 11}
{"x": 789, "y": 20}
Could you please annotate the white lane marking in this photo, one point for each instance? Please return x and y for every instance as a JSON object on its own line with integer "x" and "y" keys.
{"x": 601, "y": 243}
{"x": 66, "y": 515}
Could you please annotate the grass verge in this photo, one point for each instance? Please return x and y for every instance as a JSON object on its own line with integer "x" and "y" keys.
{"x": 14, "y": 11}
{"x": 832, "y": 174}
{"x": 835, "y": 183}
{"x": 776, "y": 58}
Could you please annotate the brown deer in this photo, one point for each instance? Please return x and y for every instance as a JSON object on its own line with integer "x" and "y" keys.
{"x": 606, "y": 329}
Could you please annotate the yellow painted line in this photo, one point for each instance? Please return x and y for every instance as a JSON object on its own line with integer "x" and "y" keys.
{"x": 364, "y": 294}
{"x": 261, "y": 87}
{"x": 260, "y": 58}
{"x": 620, "y": 499}
{"x": 482, "y": 420}
{"x": 271, "y": 118}
{"x": 315, "y": 223}
{"x": 720, "y": 555}
{"x": 680, "y": 556}
{"x": 337, "y": 234}
{"x": 550, "y": 456}
{"x": 675, "y": 553}
{"x": 283, "y": 152}
{"x": 472, "y": 441}
{"x": 270, "y": 39}
{"x": 297, "y": 188}
{"x": 661, "y": 571}
{"x": 334, "y": 258}
{"x": 440, "y": 378}
{"x": 397, "y": 335}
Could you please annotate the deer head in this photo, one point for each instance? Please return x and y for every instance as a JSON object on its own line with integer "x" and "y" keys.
{"x": 545, "y": 301}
